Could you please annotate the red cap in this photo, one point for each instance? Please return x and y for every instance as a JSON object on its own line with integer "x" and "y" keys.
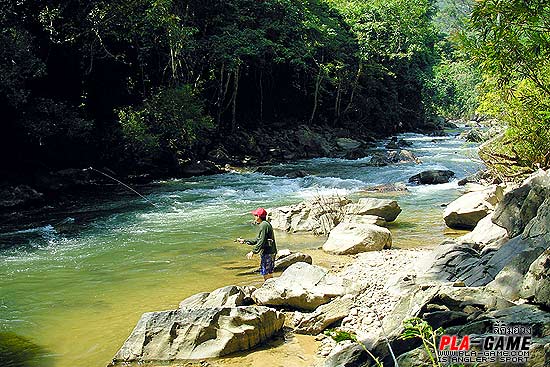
{"x": 260, "y": 212}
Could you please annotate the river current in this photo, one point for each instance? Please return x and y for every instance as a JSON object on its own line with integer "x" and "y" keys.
{"x": 77, "y": 282}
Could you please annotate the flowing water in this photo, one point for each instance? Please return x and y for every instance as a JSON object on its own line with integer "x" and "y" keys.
{"x": 76, "y": 282}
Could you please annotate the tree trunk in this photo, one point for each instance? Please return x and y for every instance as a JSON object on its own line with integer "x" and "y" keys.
{"x": 221, "y": 97}
{"x": 337, "y": 102}
{"x": 354, "y": 88}
{"x": 234, "y": 98}
{"x": 316, "y": 95}
{"x": 261, "y": 97}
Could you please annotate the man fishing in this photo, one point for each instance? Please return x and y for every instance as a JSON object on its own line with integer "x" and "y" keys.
{"x": 264, "y": 244}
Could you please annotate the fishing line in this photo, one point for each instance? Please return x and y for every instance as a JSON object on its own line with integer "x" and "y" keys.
{"x": 123, "y": 184}
{"x": 386, "y": 337}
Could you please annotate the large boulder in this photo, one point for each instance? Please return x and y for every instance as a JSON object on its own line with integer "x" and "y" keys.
{"x": 400, "y": 156}
{"x": 186, "y": 334}
{"x": 325, "y": 315}
{"x": 347, "y": 143}
{"x": 519, "y": 206}
{"x": 466, "y": 211}
{"x": 520, "y": 252}
{"x": 364, "y": 219}
{"x": 312, "y": 143}
{"x": 536, "y": 284}
{"x": 460, "y": 262}
{"x": 302, "y": 286}
{"x": 318, "y": 215}
{"x": 432, "y": 177}
{"x": 190, "y": 168}
{"x": 385, "y": 208}
{"x": 486, "y": 234}
{"x": 348, "y": 238}
{"x": 283, "y": 262}
{"x": 229, "y": 296}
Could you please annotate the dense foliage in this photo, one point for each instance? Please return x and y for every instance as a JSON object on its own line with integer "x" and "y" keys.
{"x": 511, "y": 43}
{"x": 136, "y": 83}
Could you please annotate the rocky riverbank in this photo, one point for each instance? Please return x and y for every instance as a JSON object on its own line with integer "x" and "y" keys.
{"x": 253, "y": 149}
{"x": 497, "y": 274}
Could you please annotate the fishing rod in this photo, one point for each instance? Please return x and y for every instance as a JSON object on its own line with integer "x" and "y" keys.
{"x": 386, "y": 337}
{"x": 123, "y": 184}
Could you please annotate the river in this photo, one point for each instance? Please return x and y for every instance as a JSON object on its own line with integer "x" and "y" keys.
{"x": 75, "y": 283}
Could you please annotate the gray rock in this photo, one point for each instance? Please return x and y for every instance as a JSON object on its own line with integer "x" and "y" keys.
{"x": 400, "y": 156}
{"x": 364, "y": 219}
{"x": 347, "y": 143}
{"x": 457, "y": 261}
{"x": 536, "y": 284}
{"x": 301, "y": 286}
{"x": 415, "y": 358}
{"x": 185, "y": 334}
{"x": 379, "y": 160}
{"x": 347, "y": 354}
{"x": 525, "y": 315}
{"x": 282, "y": 263}
{"x": 19, "y": 196}
{"x": 485, "y": 234}
{"x": 325, "y": 315}
{"x": 198, "y": 168}
{"x": 318, "y": 215}
{"x": 432, "y": 177}
{"x": 539, "y": 352}
{"x": 347, "y": 238}
{"x": 469, "y": 299}
{"x": 480, "y": 177}
{"x": 519, "y": 206}
{"x": 385, "y": 208}
{"x": 390, "y": 187}
{"x": 230, "y": 296}
{"x": 514, "y": 259}
{"x": 466, "y": 211}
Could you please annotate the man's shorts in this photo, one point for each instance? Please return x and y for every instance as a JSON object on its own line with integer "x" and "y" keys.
{"x": 267, "y": 264}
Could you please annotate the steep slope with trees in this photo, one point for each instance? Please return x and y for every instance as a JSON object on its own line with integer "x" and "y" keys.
{"x": 132, "y": 85}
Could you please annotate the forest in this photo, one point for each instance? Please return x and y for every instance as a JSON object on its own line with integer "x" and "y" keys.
{"x": 133, "y": 85}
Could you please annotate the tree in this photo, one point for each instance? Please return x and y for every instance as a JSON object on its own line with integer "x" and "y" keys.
{"x": 512, "y": 45}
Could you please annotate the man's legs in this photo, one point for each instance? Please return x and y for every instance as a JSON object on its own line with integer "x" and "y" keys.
{"x": 267, "y": 265}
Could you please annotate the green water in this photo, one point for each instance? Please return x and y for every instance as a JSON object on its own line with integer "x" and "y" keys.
{"x": 77, "y": 282}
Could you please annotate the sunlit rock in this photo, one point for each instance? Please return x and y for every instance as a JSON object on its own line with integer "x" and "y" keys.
{"x": 347, "y": 238}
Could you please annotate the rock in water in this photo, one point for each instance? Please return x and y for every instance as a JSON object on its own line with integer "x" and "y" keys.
{"x": 349, "y": 238}
{"x": 466, "y": 211}
{"x": 432, "y": 177}
{"x": 384, "y": 208}
{"x": 185, "y": 334}
{"x": 229, "y": 296}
